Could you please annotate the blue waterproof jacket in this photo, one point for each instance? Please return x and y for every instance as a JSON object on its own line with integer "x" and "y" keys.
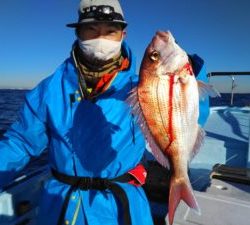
{"x": 84, "y": 138}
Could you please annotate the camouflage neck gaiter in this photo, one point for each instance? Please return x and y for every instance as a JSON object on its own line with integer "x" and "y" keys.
{"x": 93, "y": 71}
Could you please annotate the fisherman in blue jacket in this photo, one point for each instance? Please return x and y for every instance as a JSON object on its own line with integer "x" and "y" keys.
{"x": 80, "y": 115}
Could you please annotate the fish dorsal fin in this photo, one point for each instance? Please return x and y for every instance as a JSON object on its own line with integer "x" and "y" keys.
{"x": 198, "y": 143}
{"x": 133, "y": 101}
{"x": 207, "y": 90}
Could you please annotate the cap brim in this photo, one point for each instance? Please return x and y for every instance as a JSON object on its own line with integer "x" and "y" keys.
{"x": 75, "y": 25}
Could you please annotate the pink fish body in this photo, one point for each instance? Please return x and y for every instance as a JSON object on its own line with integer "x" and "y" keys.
{"x": 166, "y": 102}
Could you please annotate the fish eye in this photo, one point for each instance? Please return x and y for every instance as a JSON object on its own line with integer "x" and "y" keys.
{"x": 154, "y": 56}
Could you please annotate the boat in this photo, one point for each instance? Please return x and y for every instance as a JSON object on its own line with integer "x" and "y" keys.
{"x": 220, "y": 172}
{"x": 220, "y": 175}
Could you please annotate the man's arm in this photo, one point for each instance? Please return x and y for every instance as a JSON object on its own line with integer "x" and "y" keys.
{"x": 26, "y": 137}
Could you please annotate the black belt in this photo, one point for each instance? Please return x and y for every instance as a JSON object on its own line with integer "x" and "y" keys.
{"x": 88, "y": 183}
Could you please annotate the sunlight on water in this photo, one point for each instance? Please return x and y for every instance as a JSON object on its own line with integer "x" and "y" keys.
{"x": 10, "y": 103}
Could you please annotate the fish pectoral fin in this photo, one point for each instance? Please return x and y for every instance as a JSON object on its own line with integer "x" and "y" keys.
{"x": 180, "y": 189}
{"x": 207, "y": 90}
{"x": 132, "y": 99}
{"x": 198, "y": 143}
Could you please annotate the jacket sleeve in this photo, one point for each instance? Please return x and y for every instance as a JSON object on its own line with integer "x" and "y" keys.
{"x": 26, "y": 138}
{"x": 201, "y": 74}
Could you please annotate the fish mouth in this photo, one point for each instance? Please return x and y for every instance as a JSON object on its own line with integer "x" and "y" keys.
{"x": 160, "y": 39}
{"x": 164, "y": 35}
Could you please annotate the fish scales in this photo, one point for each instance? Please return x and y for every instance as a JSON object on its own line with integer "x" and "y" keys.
{"x": 153, "y": 113}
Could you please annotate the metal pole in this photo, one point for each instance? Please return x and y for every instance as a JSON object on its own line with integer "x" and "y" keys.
{"x": 232, "y": 92}
{"x": 209, "y": 77}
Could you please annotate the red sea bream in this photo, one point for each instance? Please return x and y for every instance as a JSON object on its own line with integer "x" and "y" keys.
{"x": 166, "y": 103}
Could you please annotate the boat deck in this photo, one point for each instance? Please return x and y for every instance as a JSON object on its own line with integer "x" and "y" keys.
{"x": 226, "y": 142}
{"x": 222, "y": 201}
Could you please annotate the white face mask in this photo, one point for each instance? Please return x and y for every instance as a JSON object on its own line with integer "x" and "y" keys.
{"x": 100, "y": 49}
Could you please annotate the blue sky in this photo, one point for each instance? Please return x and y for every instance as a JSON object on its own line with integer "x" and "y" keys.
{"x": 34, "y": 40}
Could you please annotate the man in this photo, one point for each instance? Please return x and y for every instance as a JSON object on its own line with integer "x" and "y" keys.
{"x": 80, "y": 114}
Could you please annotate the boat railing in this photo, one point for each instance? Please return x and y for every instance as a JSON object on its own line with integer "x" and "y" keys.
{"x": 232, "y": 75}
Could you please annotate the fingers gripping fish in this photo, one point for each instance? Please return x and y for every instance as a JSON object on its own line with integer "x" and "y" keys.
{"x": 166, "y": 103}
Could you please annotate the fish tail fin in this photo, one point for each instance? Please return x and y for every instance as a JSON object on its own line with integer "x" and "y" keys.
{"x": 180, "y": 189}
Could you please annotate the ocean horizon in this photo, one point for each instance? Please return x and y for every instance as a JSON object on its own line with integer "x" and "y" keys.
{"x": 11, "y": 101}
